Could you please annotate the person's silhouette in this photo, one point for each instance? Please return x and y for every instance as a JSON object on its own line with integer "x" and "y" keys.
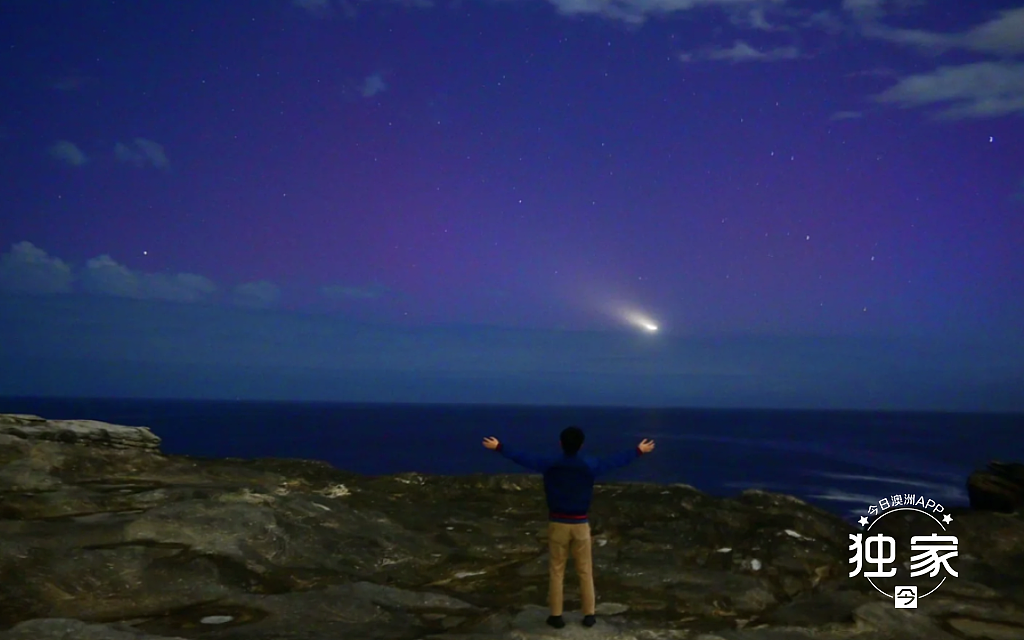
{"x": 569, "y": 487}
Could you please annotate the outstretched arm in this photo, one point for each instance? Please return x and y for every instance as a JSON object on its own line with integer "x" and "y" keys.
{"x": 620, "y": 460}
{"x": 532, "y": 462}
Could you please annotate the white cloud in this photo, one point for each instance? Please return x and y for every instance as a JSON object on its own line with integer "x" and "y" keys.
{"x": 68, "y": 152}
{"x": 105, "y": 276}
{"x": 178, "y": 287}
{"x": 28, "y": 269}
{"x": 260, "y": 295}
{"x": 637, "y": 11}
{"x": 373, "y": 84}
{"x": 979, "y": 90}
{"x": 141, "y": 152}
{"x": 743, "y": 52}
{"x": 1002, "y": 36}
{"x": 753, "y": 18}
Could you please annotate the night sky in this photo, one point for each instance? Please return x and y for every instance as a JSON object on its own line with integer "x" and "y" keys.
{"x": 818, "y": 204}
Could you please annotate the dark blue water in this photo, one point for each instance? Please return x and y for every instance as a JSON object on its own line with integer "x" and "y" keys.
{"x": 839, "y": 460}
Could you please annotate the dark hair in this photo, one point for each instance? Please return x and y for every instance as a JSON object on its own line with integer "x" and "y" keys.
{"x": 572, "y": 440}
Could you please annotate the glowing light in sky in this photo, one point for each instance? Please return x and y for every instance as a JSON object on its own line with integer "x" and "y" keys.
{"x": 639, "y": 320}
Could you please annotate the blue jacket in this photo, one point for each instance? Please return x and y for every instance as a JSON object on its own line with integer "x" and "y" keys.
{"x": 569, "y": 480}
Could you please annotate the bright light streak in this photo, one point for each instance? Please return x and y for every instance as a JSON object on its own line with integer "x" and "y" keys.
{"x": 639, "y": 320}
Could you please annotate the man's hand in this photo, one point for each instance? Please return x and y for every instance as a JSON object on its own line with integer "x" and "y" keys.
{"x": 646, "y": 445}
{"x": 492, "y": 443}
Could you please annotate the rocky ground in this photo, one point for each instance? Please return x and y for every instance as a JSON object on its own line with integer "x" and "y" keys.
{"x": 104, "y": 538}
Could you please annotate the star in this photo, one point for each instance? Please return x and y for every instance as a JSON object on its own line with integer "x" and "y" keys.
{"x": 863, "y": 521}
{"x": 947, "y": 518}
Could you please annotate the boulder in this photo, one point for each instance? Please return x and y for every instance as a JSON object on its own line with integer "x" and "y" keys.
{"x": 89, "y": 432}
{"x": 999, "y": 487}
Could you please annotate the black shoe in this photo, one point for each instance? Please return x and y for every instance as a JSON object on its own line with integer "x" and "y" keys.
{"x": 556, "y": 622}
{"x": 589, "y": 621}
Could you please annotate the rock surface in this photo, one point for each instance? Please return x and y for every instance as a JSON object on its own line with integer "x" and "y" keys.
{"x": 1000, "y": 487}
{"x": 104, "y": 538}
{"x": 78, "y": 431}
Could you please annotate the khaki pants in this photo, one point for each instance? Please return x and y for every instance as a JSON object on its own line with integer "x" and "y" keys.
{"x": 563, "y": 540}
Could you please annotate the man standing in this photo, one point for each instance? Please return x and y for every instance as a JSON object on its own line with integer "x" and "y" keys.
{"x": 569, "y": 487}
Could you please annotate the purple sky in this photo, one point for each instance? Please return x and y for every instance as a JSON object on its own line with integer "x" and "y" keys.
{"x": 732, "y": 170}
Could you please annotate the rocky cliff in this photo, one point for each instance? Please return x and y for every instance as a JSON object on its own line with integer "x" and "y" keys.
{"x": 102, "y": 537}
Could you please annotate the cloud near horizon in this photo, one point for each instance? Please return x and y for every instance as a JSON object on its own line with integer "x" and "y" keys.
{"x": 256, "y": 295}
{"x": 105, "y": 276}
{"x": 347, "y": 292}
{"x": 27, "y": 269}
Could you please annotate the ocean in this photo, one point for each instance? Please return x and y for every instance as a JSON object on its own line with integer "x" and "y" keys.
{"x": 841, "y": 461}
